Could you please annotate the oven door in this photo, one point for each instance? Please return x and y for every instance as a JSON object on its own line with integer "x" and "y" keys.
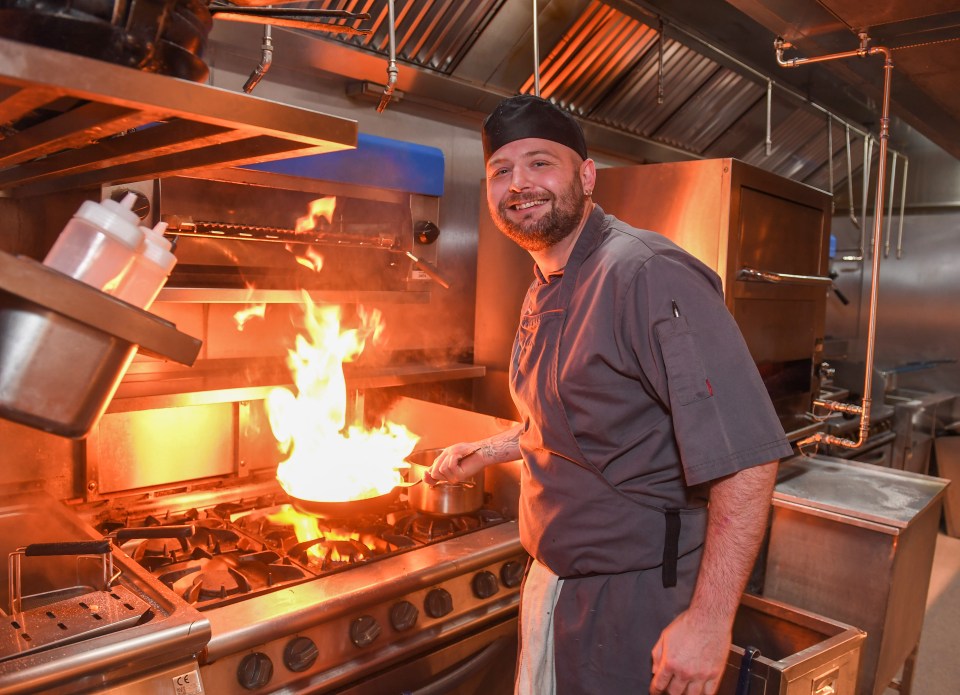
{"x": 483, "y": 662}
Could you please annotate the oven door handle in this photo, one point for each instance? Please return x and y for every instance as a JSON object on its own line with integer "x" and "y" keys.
{"x": 467, "y": 669}
{"x": 784, "y": 278}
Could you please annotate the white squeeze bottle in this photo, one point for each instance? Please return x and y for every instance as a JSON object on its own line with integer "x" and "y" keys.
{"x": 99, "y": 243}
{"x": 150, "y": 268}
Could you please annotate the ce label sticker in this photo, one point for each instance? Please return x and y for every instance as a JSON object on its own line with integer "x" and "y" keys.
{"x": 187, "y": 684}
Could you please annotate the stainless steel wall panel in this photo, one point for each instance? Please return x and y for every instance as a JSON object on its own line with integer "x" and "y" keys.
{"x": 158, "y": 447}
{"x": 917, "y": 316}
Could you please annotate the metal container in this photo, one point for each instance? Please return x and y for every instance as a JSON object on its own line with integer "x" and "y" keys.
{"x": 65, "y": 346}
{"x": 443, "y": 499}
{"x": 855, "y": 542}
{"x": 799, "y": 652}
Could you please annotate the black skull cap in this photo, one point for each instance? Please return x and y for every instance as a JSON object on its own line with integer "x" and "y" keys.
{"x": 529, "y": 116}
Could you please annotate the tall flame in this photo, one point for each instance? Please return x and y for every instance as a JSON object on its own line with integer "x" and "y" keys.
{"x": 328, "y": 461}
{"x": 311, "y": 258}
{"x": 318, "y": 210}
{"x": 251, "y": 311}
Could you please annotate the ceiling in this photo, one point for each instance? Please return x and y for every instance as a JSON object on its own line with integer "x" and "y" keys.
{"x": 662, "y": 80}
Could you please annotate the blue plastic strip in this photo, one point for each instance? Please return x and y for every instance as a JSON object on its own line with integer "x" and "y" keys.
{"x": 378, "y": 162}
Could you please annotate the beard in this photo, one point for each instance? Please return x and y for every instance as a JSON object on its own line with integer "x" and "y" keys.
{"x": 560, "y": 222}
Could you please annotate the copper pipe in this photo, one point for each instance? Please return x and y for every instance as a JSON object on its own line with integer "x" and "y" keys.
{"x": 864, "y": 409}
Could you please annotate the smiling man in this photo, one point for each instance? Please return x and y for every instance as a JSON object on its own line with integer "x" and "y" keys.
{"x": 649, "y": 443}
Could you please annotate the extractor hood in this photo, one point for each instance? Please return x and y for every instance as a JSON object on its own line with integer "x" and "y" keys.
{"x": 67, "y": 121}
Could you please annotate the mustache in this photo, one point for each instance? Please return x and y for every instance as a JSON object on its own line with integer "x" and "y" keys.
{"x": 525, "y": 198}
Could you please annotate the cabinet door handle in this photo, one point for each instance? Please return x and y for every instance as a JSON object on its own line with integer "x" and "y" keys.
{"x": 771, "y": 276}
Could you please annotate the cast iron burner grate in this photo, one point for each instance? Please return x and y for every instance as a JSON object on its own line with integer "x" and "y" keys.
{"x": 235, "y": 550}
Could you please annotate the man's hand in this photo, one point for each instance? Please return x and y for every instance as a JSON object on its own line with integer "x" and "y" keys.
{"x": 461, "y": 461}
{"x": 457, "y": 462}
{"x": 690, "y": 656}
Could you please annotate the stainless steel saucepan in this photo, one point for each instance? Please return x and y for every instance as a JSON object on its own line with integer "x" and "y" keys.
{"x": 440, "y": 497}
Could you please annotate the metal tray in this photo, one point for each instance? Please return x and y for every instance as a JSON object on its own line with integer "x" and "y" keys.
{"x": 64, "y": 347}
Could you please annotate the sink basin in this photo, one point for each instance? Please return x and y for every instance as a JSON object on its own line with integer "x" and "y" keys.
{"x": 800, "y": 652}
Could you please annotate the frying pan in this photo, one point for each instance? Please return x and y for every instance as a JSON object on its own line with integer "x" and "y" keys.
{"x": 442, "y": 499}
{"x": 377, "y": 504}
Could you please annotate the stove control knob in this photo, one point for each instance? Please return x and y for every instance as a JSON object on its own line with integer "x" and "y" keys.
{"x": 255, "y": 671}
{"x": 300, "y": 654}
{"x": 485, "y": 584}
{"x": 364, "y": 630}
{"x": 438, "y": 603}
{"x": 511, "y": 574}
{"x": 403, "y": 616}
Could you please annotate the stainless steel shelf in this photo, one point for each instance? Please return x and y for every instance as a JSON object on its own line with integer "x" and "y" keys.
{"x": 38, "y": 289}
{"x": 64, "y": 347}
{"x": 203, "y": 295}
{"x": 208, "y": 383}
{"x": 106, "y": 123}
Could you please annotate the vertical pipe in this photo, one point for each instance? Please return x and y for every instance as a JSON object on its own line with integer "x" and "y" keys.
{"x": 833, "y": 200}
{"x": 877, "y": 226}
{"x": 867, "y": 165}
{"x": 768, "y": 144}
{"x": 903, "y": 205}
{"x": 853, "y": 210}
{"x": 893, "y": 187}
{"x": 536, "y": 52}
{"x": 660, "y": 65}
{"x": 392, "y": 65}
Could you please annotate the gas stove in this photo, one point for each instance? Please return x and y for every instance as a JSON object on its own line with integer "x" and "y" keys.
{"x": 204, "y": 585}
{"x": 358, "y": 595}
{"x": 255, "y": 541}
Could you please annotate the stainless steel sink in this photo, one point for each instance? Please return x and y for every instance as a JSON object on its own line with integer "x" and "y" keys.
{"x": 799, "y": 651}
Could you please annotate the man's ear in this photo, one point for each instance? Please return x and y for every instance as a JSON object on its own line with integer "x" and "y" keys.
{"x": 588, "y": 176}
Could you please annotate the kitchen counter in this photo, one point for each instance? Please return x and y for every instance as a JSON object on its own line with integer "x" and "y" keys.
{"x": 858, "y": 490}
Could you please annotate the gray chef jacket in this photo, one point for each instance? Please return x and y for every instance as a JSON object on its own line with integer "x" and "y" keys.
{"x": 635, "y": 388}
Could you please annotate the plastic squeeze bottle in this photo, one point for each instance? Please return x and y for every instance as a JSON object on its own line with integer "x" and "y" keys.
{"x": 147, "y": 274}
{"x": 99, "y": 243}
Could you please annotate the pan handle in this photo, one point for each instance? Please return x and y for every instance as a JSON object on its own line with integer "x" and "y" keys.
{"x": 99, "y": 547}
{"x": 429, "y": 270}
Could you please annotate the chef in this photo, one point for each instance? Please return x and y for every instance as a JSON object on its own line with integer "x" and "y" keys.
{"x": 648, "y": 441}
